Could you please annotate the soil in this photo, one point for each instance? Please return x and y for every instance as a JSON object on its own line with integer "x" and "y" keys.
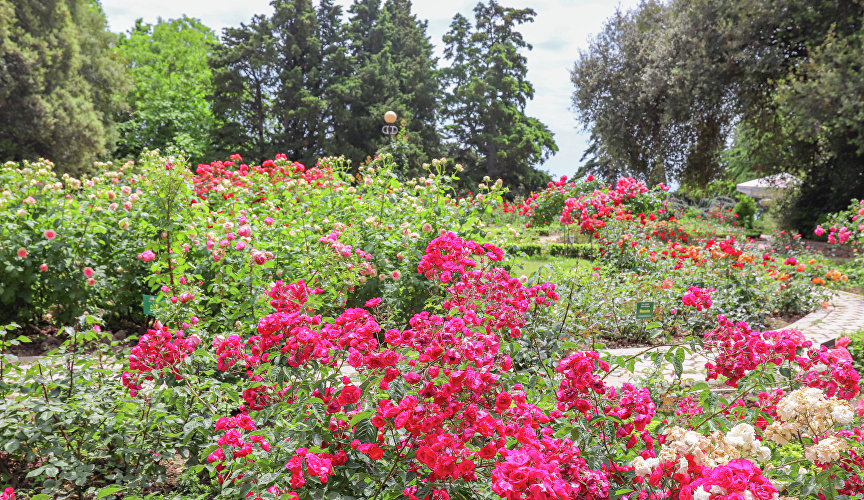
{"x": 45, "y": 338}
{"x": 781, "y": 322}
{"x": 829, "y": 250}
{"x": 622, "y": 342}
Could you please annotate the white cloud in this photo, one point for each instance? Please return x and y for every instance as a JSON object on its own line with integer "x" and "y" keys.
{"x": 561, "y": 28}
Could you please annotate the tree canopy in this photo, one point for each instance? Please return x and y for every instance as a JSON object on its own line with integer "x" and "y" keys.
{"x": 487, "y": 90}
{"x": 169, "y": 104}
{"x": 61, "y": 82}
{"x": 668, "y": 87}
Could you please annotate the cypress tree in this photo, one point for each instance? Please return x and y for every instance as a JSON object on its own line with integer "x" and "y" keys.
{"x": 61, "y": 82}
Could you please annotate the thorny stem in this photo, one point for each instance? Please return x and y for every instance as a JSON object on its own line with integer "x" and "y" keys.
{"x": 198, "y": 397}
{"x": 72, "y": 362}
{"x": 54, "y": 416}
{"x": 567, "y": 310}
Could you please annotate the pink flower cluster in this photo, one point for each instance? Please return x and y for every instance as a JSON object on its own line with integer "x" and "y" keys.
{"x": 548, "y": 469}
{"x": 700, "y": 298}
{"x": 593, "y": 208}
{"x": 739, "y": 350}
{"x": 332, "y": 240}
{"x": 734, "y": 481}
{"x": 235, "y": 440}
{"x": 580, "y": 380}
{"x": 318, "y": 465}
{"x": 495, "y": 300}
{"x": 158, "y": 349}
{"x": 831, "y": 370}
{"x": 449, "y": 254}
{"x": 147, "y": 255}
{"x": 584, "y": 391}
{"x": 8, "y": 494}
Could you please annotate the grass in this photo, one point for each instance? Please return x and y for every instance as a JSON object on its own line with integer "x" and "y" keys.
{"x": 536, "y": 264}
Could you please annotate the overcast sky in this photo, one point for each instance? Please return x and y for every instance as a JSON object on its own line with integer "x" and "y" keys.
{"x": 561, "y": 28}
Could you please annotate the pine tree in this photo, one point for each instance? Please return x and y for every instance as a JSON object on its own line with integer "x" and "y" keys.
{"x": 393, "y": 69}
{"x": 485, "y": 107}
{"x": 418, "y": 89}
{"x": 299, "y": 96}
{"x": 244, "y": 81}
{"x": 60, "y": 82}
{"x": 336, "y": 71}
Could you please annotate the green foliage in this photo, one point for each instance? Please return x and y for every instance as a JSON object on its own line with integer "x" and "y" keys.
{"x": 575, "y": 250}
{"x": 528, "y": 249}
{"x": 96, "y": 227}
{"x": 298, "y": 93}
{"x": 169, "y": 104}
{"x": 391, "y": 68}
{"x": 304, "y": 83}
{"x": 61, "y": 82}
{"x": 660, "y": 97}
{"x": 243, "y": 80}
{"x": 488, "y": 91}
{"x": 70, "y": 419}
{"x": 745, "y": 209}
{"x": 856, "y": 349}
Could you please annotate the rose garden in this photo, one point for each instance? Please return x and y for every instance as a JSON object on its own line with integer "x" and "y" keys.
{"x": 238, "y": 330}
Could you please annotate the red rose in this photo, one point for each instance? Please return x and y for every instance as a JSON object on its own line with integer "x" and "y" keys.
{"x": 502, "y": 402}
{"x": 349, "y": 395}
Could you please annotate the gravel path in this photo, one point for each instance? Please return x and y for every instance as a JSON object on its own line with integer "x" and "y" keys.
{"x": 844, "y": 315}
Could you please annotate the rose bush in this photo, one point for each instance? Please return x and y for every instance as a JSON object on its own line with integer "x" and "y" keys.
{"x": 323, "y": 334}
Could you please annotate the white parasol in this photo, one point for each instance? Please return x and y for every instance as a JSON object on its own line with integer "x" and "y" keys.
{"x": 772, "y": 186}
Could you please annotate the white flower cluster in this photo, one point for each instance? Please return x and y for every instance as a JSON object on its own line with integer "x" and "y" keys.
{"x": 807, "y": 412}
{"x": 826, "y": 451}
{"x": 743, "y": 438}
{"x": 710, "y": 451}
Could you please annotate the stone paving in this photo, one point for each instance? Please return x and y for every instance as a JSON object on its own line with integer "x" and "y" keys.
{"x": 844, "y": 314}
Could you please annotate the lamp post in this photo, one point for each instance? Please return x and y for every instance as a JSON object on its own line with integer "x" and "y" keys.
{"x": 390, "y": 129}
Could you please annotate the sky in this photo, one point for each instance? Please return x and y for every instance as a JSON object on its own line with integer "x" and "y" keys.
{"x": 560, "y": 30}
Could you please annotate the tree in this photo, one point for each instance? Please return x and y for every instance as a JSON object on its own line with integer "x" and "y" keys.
{"x": 393, "y": 69}
{"x": 823, "y": 122}
{"x": 663, "y": 86}
{"x": 299, "y": 95}
{"x": 61, "y": 82}
{"x": 485, "y": 107}
{"x": 336, "y": 71}
{"x": 244, "y": 80}
{"x": 172, "y": 86}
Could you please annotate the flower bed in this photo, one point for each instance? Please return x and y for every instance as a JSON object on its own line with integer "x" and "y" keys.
{"x": 328, "y": 335}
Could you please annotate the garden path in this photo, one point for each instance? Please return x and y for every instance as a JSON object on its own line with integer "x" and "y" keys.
{"x": 844, "y": 314}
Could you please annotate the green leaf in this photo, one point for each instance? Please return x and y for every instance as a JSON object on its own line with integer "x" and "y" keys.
{"x": 11, "y": 445}
{"x": 677, "y": 366}
{"x": 108, "y": 490}
{"x": 363, "y": 415}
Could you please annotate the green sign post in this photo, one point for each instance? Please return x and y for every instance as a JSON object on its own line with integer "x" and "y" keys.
{"x": 150, "y": 304}
{"x": 644, "y": 310}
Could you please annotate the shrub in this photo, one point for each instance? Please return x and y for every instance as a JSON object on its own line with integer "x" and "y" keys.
{"x": 745, "y": 209}
{"x": 573, "y": 251}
